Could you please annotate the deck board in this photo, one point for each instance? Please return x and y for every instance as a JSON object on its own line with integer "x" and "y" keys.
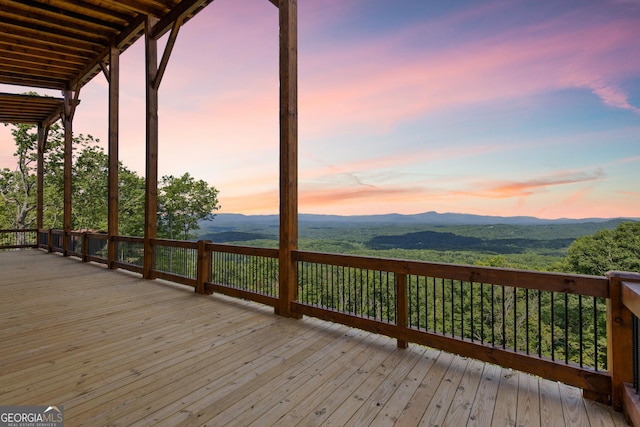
{"x": 114, "y": 349}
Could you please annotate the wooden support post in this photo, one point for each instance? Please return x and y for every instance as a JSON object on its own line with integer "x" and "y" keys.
{"x": 288, "y": 286}
{"x": 68, "y": 152}
{"x": 114, "y": 115}
{"x": 402, "y": 306}
{"x": 43, "y": 131}
{"x": 630, "y": 284}
{"x": 204, "y": 267}
{"x": 619, "y": 341}
{"x": 151, "y": 175}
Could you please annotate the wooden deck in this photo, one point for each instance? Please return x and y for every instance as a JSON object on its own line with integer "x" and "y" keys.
{"x": 114, "y": 349}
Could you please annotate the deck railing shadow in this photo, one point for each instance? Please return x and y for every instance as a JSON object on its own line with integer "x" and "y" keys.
{"x": 577, "y": 329}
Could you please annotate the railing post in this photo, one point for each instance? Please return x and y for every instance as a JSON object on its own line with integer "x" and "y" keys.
{"x": 149, "y": 260}
{"x": 111, "y": 252}
{"x": 204, "y": 267}
{"x": 619, "y": 341}
{"x": 65, "y": 242}
{"x": 50, "y": 241}
{"x": 85, "y": 247}
{"x": 402, "y": 307}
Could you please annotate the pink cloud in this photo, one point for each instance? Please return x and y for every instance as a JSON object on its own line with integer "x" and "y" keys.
{"x": 380, "y": 82}
{"x": 532, "y": 186}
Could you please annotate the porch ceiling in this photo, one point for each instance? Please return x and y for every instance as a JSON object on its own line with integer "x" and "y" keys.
{"x": 29, "y": 109}
{"x": 62, "y": 44}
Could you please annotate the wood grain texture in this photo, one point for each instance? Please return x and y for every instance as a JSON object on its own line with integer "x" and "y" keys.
{"x": 116, "y": 349}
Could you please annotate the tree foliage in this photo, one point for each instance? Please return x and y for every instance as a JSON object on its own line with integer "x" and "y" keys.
{"x": 606, "y": 250}
{"x": 183, "y": 201}
{"x": 18, "y": 186}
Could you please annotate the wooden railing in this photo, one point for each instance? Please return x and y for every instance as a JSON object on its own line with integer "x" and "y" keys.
{"x": 18, "y": 239}
{"x": 506, "y": 317}
{"x": 547, "y": 324}
{"x": 242, "y": 272}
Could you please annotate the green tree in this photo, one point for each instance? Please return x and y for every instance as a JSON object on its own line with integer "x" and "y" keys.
{"x": 18, "y": 186}
{"x": 89, "y": 189}
{"x": 130, "y": 203}
{"x": 183, "y": 202}
{"x": 606, "y": 250}
{"x": 90, "y": 194}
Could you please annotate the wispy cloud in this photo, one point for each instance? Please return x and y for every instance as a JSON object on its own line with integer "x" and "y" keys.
{"x": 527, "y": 188}
{"x": 384, "y": 81}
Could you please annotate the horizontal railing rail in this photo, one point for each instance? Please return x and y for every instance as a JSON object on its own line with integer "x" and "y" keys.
{"x": 18, "y": 238}
{"x": 566, "y": 327}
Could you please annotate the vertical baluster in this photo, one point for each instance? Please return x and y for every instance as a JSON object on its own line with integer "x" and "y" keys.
{"x": 580, "y": 319}
{"x": 526, "y": 318}
{"x": 493, "y": 311}
{"x": 595, "y": 332}
{"x": 504, "y": 326}
{"x": 515, "y": 319}
{"x": 471, "y": 304}
{"x": 553, "y": 327}
{"x": 482, "y": 313}
{"x": 566, "y": 328}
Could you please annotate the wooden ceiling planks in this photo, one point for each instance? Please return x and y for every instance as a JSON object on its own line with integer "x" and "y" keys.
{"x": 60, "y": 44}
{"x": 63, "y": 44}
{"x": 29, "y": 109}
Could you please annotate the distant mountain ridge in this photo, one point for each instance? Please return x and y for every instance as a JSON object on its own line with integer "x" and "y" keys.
{"x": 426, "y": 218}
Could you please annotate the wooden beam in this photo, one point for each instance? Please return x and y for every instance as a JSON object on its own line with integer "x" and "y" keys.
{"x": 151, "y": 175}
{"x": 45, "y": 49}
{"x": 55, "y": 18}
{"x": 288, "y": 286}
{"x": 167, "y": 52}
{"x": 114, "y": 116}
{"x": 178, "y": 12}
{"x": 276, "y": 3}
{"x": 105, "y": 71}
{"x": 125, "y": 38}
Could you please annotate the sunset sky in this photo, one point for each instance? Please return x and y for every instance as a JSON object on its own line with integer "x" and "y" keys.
{"x": 489, "y": 107}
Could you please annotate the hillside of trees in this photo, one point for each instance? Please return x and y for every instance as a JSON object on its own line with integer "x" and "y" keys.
{"x": 544, "y": 247}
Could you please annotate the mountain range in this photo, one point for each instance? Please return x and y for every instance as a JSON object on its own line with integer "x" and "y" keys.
{"x": 232, "y": 221}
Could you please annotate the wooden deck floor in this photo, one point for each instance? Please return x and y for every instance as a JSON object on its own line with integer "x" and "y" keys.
{"x": 114, "y": 349}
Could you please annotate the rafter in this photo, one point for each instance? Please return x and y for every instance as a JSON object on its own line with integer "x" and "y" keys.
{"x": 67, "y": 40}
